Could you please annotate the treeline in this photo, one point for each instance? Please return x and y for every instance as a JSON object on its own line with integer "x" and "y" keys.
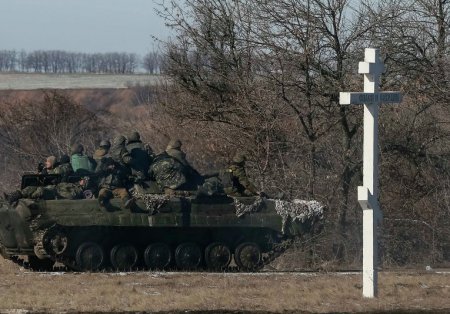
{"x": 59, "y": 61}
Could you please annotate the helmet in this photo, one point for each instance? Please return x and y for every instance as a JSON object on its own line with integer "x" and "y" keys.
{"x": 133, "y": 137}
{"x": 76, "y": 148}
{"x": 174, "y": 144}
{"x": 239, "y": 158}
{"x": 120, "y": 139}
{"x": 105, "y": 143}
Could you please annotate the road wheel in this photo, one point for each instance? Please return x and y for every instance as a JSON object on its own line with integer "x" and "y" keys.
{"x": 90, "y": 256}
{"x": 188, "y": 256}
{"x": 124, "y": 257}
{"x": 55, "y": 242}
{"x": 217, "y": 256}
{"x": 38, "y": 264}
{"x": 157, "y": 256}
{"x": 248, "y": 256}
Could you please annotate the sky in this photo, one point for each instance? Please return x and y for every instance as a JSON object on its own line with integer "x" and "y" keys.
{"x": 80, "y": 25}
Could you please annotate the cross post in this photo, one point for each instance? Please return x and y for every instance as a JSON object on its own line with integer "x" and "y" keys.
{"x": 368, "y": 193}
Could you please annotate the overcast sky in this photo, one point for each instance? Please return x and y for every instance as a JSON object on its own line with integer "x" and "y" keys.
{"x": 80, "y": 25}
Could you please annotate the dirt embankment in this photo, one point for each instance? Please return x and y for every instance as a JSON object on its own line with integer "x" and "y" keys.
{"x": 93, "y": 99}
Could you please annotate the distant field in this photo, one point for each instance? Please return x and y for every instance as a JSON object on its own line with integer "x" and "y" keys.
{"x": 408, "y": 292}
{"x": 73, "y": 81}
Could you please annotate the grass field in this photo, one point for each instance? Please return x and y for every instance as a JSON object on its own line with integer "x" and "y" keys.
{"x": 175, "y": 292}
{"x": 27, "y": 81}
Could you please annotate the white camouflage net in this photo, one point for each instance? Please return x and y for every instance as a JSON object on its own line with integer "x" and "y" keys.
{"x": 242, "y": 209}
{"x": 152, "y": 202}
{"x": 298, "y": 210}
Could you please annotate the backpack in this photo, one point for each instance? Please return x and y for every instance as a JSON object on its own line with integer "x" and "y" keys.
{"x": 168, "y": 172}
{"x": 82, "y": 164}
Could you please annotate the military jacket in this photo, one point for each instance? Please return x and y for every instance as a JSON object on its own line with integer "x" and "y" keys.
{"x": 63, "y": 170}
{"x": 120, "y": 154}
{"x": 140, "y": 159}
{"x": 111, "y": 178}
{"x": 99, "y": 156}
{"x": 241, "y": 185}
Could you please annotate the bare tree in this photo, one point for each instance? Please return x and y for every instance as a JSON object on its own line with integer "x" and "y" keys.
{"x": 33, "y": 130}
{"x": 151, "y": 62}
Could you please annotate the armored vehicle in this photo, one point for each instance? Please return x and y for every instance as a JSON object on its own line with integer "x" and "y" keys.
{"x": 186, "y": 231}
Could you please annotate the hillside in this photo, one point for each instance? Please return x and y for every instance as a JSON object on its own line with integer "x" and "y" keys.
{"x": 32, "y": 81}
{"x": 91, "y": 98}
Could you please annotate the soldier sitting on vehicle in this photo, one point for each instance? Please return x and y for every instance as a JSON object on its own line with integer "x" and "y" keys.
{"x": 46, "y": 191}
{"x": 140, "y": 159}
{"x": 101, "y": 152}
{"x": 236, "y": 182}
{"x": 193, "y": 177}
{"x": 171, "y": 170}
{"x": 48, "y": 166}
{"x": 118, "y": 151}
{"x": 112, "y": 182}
{"x": 173, "y": 149}
{"x": 63, "y": 168}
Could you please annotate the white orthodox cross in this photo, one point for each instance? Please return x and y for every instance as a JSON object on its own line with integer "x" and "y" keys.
{"x": 371, "y": 98}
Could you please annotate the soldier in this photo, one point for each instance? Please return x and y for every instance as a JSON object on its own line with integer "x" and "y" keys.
{"x": 71, "y": 191}
{"x": 81, "y": 163}
{"x": 118, "y": 151}
{"x": 48, "y": 166}
{"x": 112, "y": 182}
{"x": 102, "y": 151}
{"x": 38, "y": 192}
{"x": 173, "y": 149}
{"x": 140, "y": 159}
{"x": 193, "y": 177}
{"x": 63, "y": 168}
{"x": 239, "y": 184}
{"x": 168, "y": 172}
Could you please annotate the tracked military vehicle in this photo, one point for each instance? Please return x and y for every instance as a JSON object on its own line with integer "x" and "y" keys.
{"x": 184, "y": 232}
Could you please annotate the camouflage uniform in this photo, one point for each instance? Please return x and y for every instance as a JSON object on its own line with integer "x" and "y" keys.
{"x": 71, "y": 191}
{"x": 174, "y": 150}
{"x": 39, "y": 192}
{"x": 171, "y": 169}
{"x": 118, "y": 152}
{"x": 112, "y": 181}
{"x": 101, "y": 153}
{"x": 140, "y": 159}
{"x": 168, "y": 172}
{"x": 63, "y": 168}
{"x": 48, "y": 167}
{"x": 240, "y": 185}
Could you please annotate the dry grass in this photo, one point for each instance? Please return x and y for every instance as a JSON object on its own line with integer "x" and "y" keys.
{"x": 146, "y": 291}
{"x": 33, "y": 81}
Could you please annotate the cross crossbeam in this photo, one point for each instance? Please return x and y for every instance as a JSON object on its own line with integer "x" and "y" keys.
{"x": 371, "y": 98}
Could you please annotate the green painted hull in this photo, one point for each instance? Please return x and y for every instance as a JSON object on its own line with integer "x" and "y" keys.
{"x": 177, "y": 220}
